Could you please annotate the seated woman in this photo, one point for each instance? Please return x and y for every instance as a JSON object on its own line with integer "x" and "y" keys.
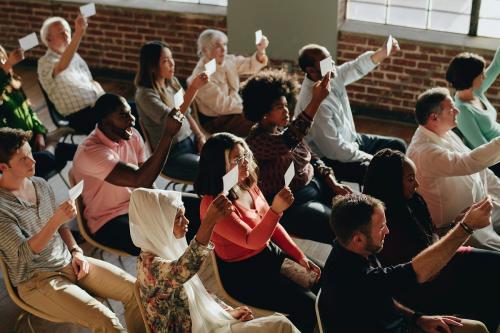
{"x": 276, "y": 142}
{"x": 16, "y": 112}
{"x": 477, "y": 119}
{"x": 172, "y": 294}
{"x": 156, "y": 86}
{"x": 472, "y": 274}
{"x": 220, "y": 107}
{"x": 250, "y": 244}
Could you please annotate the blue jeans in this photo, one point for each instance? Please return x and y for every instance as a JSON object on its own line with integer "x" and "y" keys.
{"x": 183, "y": 160}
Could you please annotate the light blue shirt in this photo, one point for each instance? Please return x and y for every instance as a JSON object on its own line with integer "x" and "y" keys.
{"x": 333, "y": 133}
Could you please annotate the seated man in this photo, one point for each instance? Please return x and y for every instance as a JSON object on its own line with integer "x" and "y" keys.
{"x": 452, "y": 177}
{"x": 358, "y": 294}
{"x": 219, "y": 102}
{"x": 112, "y": 163}
{"x": 333, "y": 134}
{"x": 65, "y": 76}
{"x": 43, "y": 260}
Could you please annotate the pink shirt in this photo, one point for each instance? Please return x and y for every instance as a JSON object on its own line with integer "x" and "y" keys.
{"x": 93, "y": 162}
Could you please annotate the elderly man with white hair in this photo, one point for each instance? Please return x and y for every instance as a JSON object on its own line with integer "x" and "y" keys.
{"x": 219, "y": 104}
{"x": 65, "y": 76}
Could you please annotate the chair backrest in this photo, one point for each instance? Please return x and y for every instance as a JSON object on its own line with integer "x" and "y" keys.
{"x": 11, "y": 290}
{"x": 258, "y": 312}
{"x": 318, "y": 314}
{"x": 56, "y": 117}
{"x": 82, "y": 224}
{"x": 196, "y": 117}
{"x": 137, "y": 294}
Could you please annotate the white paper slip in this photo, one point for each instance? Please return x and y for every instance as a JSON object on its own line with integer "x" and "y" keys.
{"x": 389, "y": 45}
{"x": 326, "y": 66}
{"x": 230, "y": 179}
{"x": 88, "y": 10}
{"x": 289, "y": 174}
{"x": 210, "y": 67}
{"x": 179, "y": 99}
{"x": 258, "y": 36}
{"x": 29, "y": 41}
{"x": 76, "y": 190}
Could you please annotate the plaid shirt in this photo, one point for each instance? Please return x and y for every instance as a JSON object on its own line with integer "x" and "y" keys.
{"x": 72, "y": 89}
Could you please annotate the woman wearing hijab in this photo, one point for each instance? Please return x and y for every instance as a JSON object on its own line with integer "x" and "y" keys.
{"x": 172, "y": 295}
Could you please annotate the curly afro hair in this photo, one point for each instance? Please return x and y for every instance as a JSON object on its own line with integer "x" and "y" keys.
{"x": 263, "y": 89}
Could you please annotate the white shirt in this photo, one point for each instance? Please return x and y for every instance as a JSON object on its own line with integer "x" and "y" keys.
{"x": 219, "y": 97}
{"x": 333, "y": 133}
{"x": 451, "y": 176}
{"x": 71, "y": 90}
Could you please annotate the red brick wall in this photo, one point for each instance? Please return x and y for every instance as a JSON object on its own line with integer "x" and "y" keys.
{"x": 398, "y": 81}
{"x": 114, "y": 35}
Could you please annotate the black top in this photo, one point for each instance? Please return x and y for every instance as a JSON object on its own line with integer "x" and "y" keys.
{"x": 410, "y": 230}
{"x": 357, "y": 294}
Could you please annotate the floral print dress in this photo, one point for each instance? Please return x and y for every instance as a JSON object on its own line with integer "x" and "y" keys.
{"x": 162, "y": 293}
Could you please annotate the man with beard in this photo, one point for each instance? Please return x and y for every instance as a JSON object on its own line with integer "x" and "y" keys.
{"x": 112, "y": 162}
{"x": 357, "y": 293}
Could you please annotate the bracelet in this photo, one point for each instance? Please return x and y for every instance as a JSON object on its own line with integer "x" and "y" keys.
{"x": 466, "y": 228}
{"x": 415, "y": 316}
{"x": 76, "y": 249}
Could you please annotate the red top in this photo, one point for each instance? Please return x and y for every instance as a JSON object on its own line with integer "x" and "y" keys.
{"x": 246, "y": 232}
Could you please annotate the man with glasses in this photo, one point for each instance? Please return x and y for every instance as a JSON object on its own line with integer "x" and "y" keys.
{"x": 333, "y": 134}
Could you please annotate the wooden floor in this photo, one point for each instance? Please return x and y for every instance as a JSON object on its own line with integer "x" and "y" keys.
{"x": 9, "y": 311}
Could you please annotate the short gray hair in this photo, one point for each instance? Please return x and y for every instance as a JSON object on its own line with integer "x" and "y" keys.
{"x": 206, "y": 39}
{"x": 44, "y": 30}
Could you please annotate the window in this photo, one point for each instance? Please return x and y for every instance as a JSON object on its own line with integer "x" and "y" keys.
{"x": 457, "y": 16}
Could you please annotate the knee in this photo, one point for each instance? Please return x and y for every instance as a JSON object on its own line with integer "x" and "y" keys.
{"x": 472, "y": 326}
{"x": 103, "y": 319}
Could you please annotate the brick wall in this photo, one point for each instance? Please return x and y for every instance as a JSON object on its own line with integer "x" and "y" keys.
{"x": 114, "y": 35}
{"x": 395, "y": 85}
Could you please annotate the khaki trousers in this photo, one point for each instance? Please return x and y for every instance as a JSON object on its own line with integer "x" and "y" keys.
{"x": 470, "y": 326}
{"x": 61, "y": 295}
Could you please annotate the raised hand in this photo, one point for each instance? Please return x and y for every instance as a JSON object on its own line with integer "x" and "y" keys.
{"x": 479, "y": 214}
{"x": 200, "y": 80}
{"x": 65, "y": 212}
{"x": 218, "y": 210}
{"x": 321, "y": 89}
{"x": 282, "y": 200}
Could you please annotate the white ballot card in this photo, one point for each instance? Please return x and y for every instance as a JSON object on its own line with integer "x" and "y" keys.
{"x": 230, "y": 179}
{"x": 88, "y": 10}
{"x": 28, "y": 42}
{"x": 210, "y": 67}
{"x": 289, "y": 174}
{"x": 389, "y": 45}
{"x": 76, "y": 190}
{"x": 258, "y": 36}
{"x": 326, "y": 66}
{"x": 179, "y": 99}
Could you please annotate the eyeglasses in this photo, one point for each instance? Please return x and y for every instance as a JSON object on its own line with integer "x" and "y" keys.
{"x": 239, "y": 160}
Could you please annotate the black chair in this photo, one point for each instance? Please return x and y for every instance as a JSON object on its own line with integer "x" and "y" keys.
{"x": 58, "y": 120}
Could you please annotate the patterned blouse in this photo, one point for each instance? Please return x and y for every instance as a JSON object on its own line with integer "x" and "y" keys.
{"x": 162, "y": 293}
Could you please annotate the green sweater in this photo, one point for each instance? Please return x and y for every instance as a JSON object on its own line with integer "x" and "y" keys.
{"x": 480, "y": 126}
{"x": 15, "y": 111}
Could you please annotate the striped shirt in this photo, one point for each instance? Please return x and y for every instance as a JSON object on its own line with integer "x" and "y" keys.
{"x": 19, "y": 221}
